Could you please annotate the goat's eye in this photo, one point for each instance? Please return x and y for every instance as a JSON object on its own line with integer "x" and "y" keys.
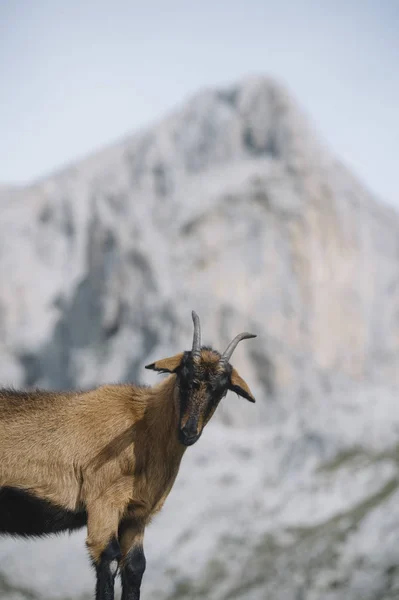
{"x": 219, "y": 387}
{"x": 221, "y": 384}
{"x": 184, "y": 372}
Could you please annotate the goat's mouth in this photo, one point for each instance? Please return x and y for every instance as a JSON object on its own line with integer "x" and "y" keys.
{"x": 188, "y": 440}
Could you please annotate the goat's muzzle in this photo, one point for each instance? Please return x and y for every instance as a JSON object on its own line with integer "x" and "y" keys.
{"x": 190, "y": 433}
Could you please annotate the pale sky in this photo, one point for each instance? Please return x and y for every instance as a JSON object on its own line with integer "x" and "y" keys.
{"x": 77, "y": 75}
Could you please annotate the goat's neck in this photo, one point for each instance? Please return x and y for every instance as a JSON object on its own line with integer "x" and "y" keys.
{"x": 162, "y": 417}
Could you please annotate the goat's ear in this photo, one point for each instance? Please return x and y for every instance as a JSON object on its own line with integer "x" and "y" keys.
{"x": 166, "y": 365}
{"x": 240, "y": 387}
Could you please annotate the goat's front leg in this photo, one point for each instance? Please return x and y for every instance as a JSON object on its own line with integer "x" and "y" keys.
{"x": 103, "y": 545}
{"x": 104, "y": 513}
{"x": 133, "y": 562}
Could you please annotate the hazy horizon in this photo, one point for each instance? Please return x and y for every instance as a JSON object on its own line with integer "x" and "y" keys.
{"x": 77, "y": 78}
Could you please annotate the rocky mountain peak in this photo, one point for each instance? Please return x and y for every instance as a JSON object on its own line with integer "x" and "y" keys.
{"x": 230, "y": 206}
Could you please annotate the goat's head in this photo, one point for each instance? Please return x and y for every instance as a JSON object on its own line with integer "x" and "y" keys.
{"x": 203, "y": 378}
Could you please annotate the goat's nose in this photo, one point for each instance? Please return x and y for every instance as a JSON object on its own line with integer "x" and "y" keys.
{"x": 190, "y": 428}
{"x": 189, "y": 432}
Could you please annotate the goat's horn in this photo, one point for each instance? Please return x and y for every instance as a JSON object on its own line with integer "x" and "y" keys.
{"x": 233, "y": 345}
{"x": 196, "y": 350}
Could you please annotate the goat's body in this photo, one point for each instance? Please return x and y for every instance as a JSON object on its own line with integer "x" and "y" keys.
{"x": 108, "y": 457}
{"x": 61, "y": 452}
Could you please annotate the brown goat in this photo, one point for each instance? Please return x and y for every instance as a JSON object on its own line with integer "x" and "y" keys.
{"x": 107, "y": 457}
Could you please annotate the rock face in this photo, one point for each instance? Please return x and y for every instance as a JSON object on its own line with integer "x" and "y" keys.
{"x": 232, "y": 207}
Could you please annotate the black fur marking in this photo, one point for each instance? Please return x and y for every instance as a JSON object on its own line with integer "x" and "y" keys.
{"x": 23, "y": 514}
{"x": 190, "y": 377}
{"x": 105, "y": 577}
{"x": 185, "y": 374}
{"x": 238, "y": 390}
{"x": 132, "y": 573}
{"x": 112, "y": 551}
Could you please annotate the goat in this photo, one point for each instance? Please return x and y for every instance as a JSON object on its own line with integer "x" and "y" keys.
{"x": 108, "y": 457}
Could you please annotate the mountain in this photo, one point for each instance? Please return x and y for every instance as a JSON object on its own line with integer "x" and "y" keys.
{"x": 233, "y": 207}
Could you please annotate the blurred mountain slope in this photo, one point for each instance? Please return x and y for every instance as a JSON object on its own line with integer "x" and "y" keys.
{"x": 230, "y": 206}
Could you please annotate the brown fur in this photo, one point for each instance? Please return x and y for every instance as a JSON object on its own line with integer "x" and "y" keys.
{"x": 113, "y": 452}
{"x": 109, "y": 450}
{"x": 168, "y": 364}
{"x": 237, "y": 380}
